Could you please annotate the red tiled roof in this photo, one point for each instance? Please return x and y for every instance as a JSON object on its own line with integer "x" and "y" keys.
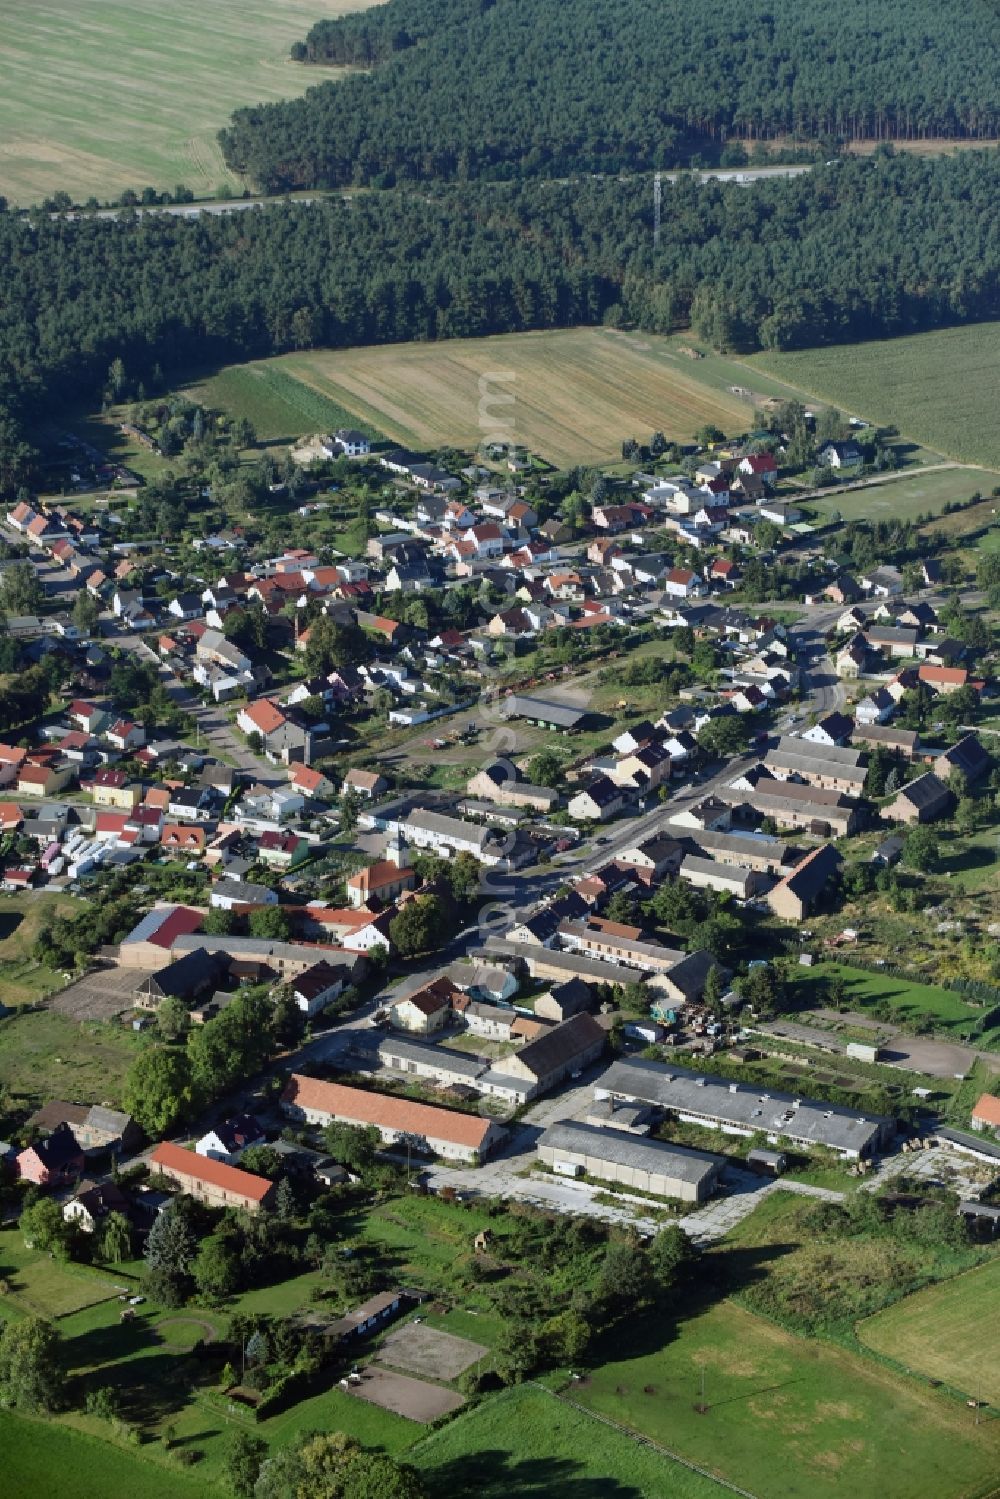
{"x": 174, "y": 1160}
{"x": 265, "y": 717}
{"x": 987, "y": 1110}
{"x": 386, "y": 1112}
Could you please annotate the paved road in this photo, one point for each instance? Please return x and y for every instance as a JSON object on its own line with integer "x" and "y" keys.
{"x": 214, "y": 731}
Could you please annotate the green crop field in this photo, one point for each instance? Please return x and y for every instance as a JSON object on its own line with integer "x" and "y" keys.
{"x": 940, "y": 389}
{"x": 947, "y": 1332}
{"x": 527, "y": 1441}
{"x": 280, "y": 407}
{"x": 841, "y": 1424}
{"x": 128, "y": 93}
{"x": 570, "y": 396}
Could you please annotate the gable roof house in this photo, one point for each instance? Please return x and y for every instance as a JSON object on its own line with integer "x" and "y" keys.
{"x": 53, "y": 1161}
{"x": 597, "y": 802}
{"x": 794, "y": 896}
{"x": 227, "y": 1141}
{"x": 426, "y": 1127}
{"x": 212, "y": 1182}
{"x": 922, "y": 800}
{"x": 561, "y": 1052}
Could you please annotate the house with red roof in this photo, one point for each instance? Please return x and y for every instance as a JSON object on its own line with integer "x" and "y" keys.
{"x": 986, "y": 1113}
{"x": 214, "y": 1183}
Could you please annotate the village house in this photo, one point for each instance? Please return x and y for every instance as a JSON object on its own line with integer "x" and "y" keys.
{"x": 427, "y": 1009}
{"x": 318, "y": 986}
{"x": 54, "y": 1161}
{"x": 561, "y": 1052}
{"x": 794, "y": 897}
{"x": 212, "y": 1182}
{"x": 923, "y": 800}
{"x": 598, "y": 802}
{"x": 227, "y": 1141}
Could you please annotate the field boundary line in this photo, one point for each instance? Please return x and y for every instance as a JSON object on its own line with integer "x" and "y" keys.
{"x": 636, "y": 1436}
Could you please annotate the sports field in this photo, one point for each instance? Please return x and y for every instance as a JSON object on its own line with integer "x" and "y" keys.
{"x": 940, "y": 389}
{"x": 570, "y": 395}
{"x": 947, "y": 1332}
{"x": 110, "y": 94}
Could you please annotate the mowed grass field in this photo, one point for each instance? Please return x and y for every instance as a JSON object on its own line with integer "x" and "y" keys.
{"x": 940, "y": 389}
{"x": 909, "y": 495}
{"x": 948, "y": 1332}
{"x": 41, "y": 1458}
{"x": 794, "y": 1418}
{"x": 527, "y": 1441}
{"x": 569, "y": 395}
{"x": 128, "y": 93}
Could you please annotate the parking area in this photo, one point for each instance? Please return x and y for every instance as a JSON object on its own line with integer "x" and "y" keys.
{"x": 935, "y": 1058}
{"x": 100, "y": 996}
{"x": 413, "y": 1398}
{"x": 423, "y": 1350}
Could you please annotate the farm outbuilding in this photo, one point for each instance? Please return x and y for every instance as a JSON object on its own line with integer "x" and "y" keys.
{"x": 611, "y": 1155}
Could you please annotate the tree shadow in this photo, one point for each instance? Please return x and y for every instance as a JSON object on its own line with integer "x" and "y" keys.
{"x": 116, "y": 1343}
{"x": 494, "y": 1474}
{"x": 716, "y": 1276}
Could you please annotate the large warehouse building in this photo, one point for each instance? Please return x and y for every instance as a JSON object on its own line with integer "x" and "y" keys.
{"x": 744, "y": 1109}
{"x": 573, "y": 1149}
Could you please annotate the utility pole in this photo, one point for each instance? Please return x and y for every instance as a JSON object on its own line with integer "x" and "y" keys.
{"x": 657, "y": 207}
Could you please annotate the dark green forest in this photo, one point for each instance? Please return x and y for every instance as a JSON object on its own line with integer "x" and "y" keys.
{"x": 862, "y": 248}
{"x": 510, "y": 88}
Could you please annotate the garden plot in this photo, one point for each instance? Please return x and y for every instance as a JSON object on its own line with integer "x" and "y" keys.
{"x": 425, "y": 1350}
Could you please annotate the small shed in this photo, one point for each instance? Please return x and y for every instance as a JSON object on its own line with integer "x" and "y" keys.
{"x": 767, "y": 1162}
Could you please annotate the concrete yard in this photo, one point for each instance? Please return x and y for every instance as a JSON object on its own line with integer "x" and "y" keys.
{"x": 413, "y": 1398}
{"x": 425, "y": 1350}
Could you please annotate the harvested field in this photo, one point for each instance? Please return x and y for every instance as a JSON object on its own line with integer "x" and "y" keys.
{"x": 100, "y": 996}
{"x": 424, "y": 1350}
{"x": 129, "y": 93}
{"x": 569, "y": 396}
{"x": 413, "y": 1398}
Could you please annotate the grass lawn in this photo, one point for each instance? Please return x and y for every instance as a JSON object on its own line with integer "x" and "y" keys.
{"x": 526, "y": 1441}
{"x": 908, "y": 1002}
{"x": 279, "y": 406}
{"x": 44, "y": 1287}
{"x": 946, "y": 1332}
{"x": 44, "y": 1055}
{"x": 47, "y": 1458}
{"x": 22, "y": 980}
{"x": 789, "y": 1417}
{"x": 939, "y": 388}
{"x": 906, "y": 497}
{"x": 575, "y": 392}
{"x": 972, "y": 860}
{"x": 130, "y": 93}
